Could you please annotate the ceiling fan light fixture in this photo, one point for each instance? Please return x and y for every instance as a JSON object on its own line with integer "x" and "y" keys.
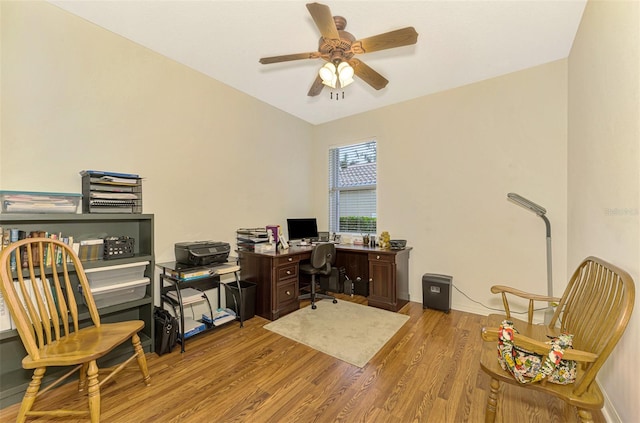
{"x": 337, "y": 46}
{"x": 345, "y": 69}
{"x": 331, "y": 83}
{"x": 345, "y": 74}
{"x": 327, "y": 72}
{"x": 345, "y": 82}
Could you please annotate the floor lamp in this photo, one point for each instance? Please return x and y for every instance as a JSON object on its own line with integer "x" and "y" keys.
{"x": 540, "y": 211}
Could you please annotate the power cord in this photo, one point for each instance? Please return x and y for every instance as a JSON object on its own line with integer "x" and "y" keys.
{"x": 497, "y": 309}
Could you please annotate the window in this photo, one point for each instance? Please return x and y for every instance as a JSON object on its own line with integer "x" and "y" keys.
{"x": 352, "y": 188}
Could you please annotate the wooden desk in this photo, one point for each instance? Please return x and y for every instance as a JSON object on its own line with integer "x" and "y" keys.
{"x": 277, "y": 277}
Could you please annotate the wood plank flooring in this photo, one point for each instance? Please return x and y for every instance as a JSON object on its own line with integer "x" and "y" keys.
{"x": 428, "y": 372}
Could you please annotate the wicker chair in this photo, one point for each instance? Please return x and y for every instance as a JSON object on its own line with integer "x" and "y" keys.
{"x": 44, "y": 310}
{"x": 595, "y": 307}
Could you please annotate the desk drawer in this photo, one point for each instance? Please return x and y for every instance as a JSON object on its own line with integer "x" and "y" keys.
{"x": 286, "y": 294}
{"x": 287, "y": 259}
{"x": 387, "y": 258}
{"x": 288, "y": 271}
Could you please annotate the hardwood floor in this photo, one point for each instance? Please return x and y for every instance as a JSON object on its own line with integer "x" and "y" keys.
{"x": 428, "y": 372}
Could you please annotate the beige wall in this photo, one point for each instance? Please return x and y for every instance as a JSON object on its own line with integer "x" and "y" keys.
{"x": 446, "y": 164}
{"x": 604, "y": 168}
{"x": 75, "y": 96}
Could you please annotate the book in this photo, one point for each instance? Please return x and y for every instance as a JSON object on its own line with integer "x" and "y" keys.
{"x": 189, "y": 274}
{"x": 6, "y": 237}
{"x": 13, "y": 237}
{"x": 92, "y": 241}
{"x": 35, "y": 253}
{"x": 29, "y": 290}
{"x": 39, "y": 284}
{"x": 24, "y": 255}
{"x": 5, "y": 317}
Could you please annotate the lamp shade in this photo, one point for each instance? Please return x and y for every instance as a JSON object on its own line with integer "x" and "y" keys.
{"x": 345, "y": 72}
{"x": 327, "y": 72}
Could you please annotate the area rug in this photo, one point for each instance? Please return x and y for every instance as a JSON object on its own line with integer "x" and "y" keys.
{"x": 350, "y": 332}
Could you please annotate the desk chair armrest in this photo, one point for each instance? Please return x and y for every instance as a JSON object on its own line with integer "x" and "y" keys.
{"x": 501, "y": 289}
{"x": 539, "y": 347}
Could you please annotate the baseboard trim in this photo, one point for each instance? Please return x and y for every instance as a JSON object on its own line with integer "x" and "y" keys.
{"x": 608, "y": 411}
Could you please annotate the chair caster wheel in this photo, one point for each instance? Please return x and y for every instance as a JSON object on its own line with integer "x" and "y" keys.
{"x": 335, "y": 301}
{"x": 313, "y": 306}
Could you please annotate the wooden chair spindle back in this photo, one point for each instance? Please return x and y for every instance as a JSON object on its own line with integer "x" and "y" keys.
{"x": 595, "y": 308}
{"x": 38, "y": 280}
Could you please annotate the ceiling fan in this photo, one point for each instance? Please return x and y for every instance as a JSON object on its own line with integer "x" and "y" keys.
{"x": 337, "y": 47}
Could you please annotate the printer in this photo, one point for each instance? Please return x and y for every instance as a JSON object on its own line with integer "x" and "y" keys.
{"x": 202, "y": 253}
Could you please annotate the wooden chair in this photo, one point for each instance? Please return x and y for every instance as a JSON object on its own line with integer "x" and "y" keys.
{"x": 40, "y": 297}
{"x": 595, "y": 308}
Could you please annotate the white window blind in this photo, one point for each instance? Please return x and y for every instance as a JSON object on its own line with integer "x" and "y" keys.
{"x": 352, "y": 188}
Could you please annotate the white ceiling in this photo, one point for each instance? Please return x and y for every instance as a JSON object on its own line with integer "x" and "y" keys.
{"x": 459, "y": 42}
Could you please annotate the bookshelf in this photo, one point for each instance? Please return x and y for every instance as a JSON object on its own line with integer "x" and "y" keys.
{"x": 13, "y": 378}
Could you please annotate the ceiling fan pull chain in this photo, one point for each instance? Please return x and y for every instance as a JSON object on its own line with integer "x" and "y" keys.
{"x": 337, "y": 96}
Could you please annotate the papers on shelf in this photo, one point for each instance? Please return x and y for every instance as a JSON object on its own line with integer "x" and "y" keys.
{"x": 189, "y": 295}
{"x": 225, "y": 268}
{"x": 192, "y": 327}
{"x": 220, "y": 317}
{"x": 34, "y": 202}
{"x": 110, "y": 188}
{"x": 111, "y": 178}
{"x": 114, "y": 195}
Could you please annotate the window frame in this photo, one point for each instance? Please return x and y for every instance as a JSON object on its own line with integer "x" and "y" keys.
{"x": 336, "y": 188}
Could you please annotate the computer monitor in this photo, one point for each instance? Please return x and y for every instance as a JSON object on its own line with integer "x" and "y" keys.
{"x": 305, "y": 228}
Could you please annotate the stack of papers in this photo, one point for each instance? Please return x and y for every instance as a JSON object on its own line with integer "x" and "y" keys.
{"x": 220, "y": 317}
{"x": 192, "y": 327}
{"x": 189, "y": 296}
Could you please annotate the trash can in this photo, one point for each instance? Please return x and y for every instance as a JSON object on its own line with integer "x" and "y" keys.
{"x": 436, "y": 291}
{"x": 232, "y": 298}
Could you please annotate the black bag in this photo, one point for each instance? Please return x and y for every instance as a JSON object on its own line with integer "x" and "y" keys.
{"x": 166, "y": 330}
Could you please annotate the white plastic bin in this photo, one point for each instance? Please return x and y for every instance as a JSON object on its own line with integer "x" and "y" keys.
{"x": 112, "y": 275}
{"x": 38, "y": 202}
{"x": 124, "y": 292}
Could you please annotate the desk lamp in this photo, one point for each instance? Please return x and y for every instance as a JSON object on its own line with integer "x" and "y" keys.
{"x": 540, "y": 211}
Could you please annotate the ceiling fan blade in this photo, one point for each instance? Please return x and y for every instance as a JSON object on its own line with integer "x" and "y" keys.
{"x": 398, "y": 38}
{"x": 368, "y": 75}
{"x": 289, "y": 57}
{"x": 321, "y": 15}
{"x": 316, "y": 88}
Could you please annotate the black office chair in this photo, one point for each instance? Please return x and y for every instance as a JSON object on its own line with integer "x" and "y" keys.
{"x": 322, "y": 257}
